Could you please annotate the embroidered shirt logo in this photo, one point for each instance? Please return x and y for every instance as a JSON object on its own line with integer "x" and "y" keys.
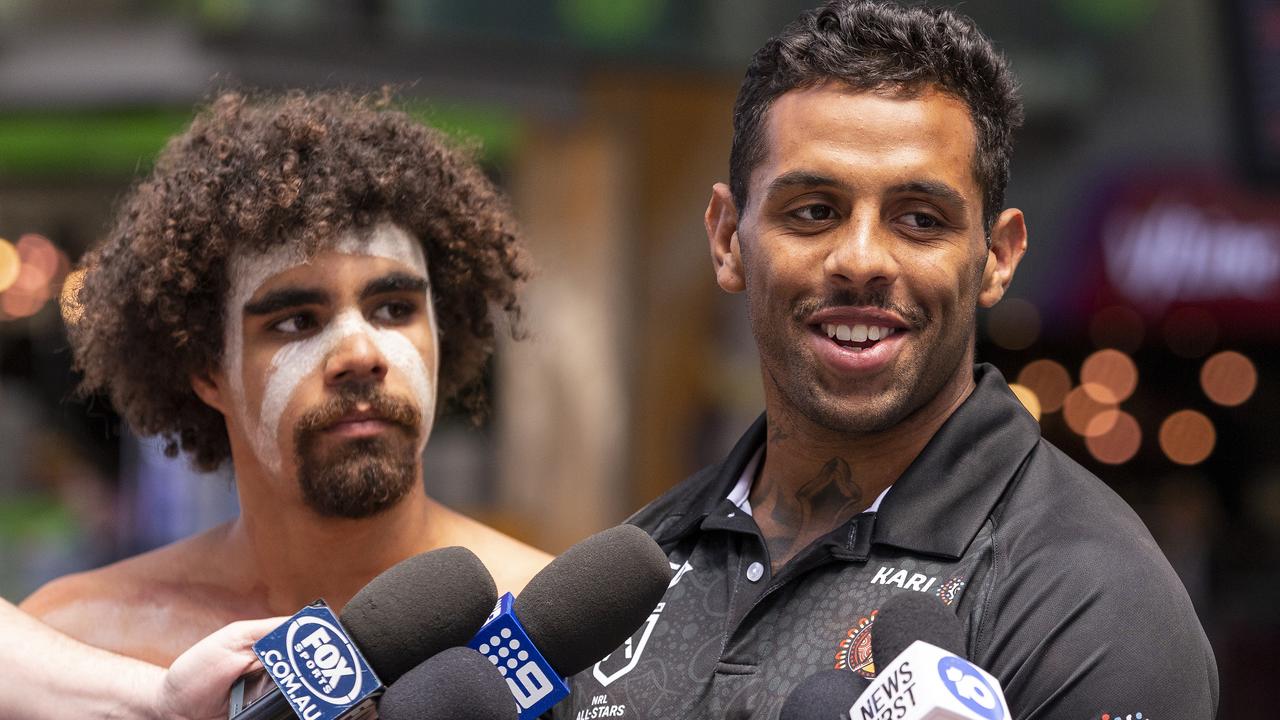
{"x": 855, "y": 649}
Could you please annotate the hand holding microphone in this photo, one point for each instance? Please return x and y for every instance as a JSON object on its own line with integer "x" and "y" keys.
{"x": 409, "y": 613}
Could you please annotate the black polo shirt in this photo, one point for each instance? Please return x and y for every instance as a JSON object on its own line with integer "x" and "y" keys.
{"x": 1062, "y": 592}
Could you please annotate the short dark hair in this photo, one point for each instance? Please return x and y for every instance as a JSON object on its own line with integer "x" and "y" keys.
{"x": 883, "y": 46}
{"x": 254, "y": 172}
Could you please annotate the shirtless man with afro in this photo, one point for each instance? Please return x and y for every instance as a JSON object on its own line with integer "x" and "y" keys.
{"x": 298, "y": 288}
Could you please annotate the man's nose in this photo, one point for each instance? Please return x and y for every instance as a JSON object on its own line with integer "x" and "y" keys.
{"x": 356, "y": 358}
{"x": 862, "y": 256}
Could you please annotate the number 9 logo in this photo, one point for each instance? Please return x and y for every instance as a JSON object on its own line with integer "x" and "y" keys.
{"x": 970, "y": 687}
{"x": 533, "y": 685}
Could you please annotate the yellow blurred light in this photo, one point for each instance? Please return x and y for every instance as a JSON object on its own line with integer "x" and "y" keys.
{"x": 69, "y": 299}
{"x": 10, "y": 264}
{"x": 1229, "y": 378}
{"x": 1049, "y": 380}
{"x": 1119, "y": 443}
{"x": 1190, "y": 332}
{"x": 1187, "y": 437}
{"x": 1085, "y": 410}
{"x": 1014, "y": 324}
{"x": 1028, "y": 398}
{"x": 1117, "y": 327}
{"x": 1112, "y": 370}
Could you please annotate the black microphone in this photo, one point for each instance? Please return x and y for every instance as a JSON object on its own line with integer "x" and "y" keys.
{"x": 457, "y": 684}
{"x": 412, "y": 611}
{"x": 576, "y": 610}
{"x": 910, "y": 616}
{"x": 824, "y": 695}
{"x": 590, "y": 599}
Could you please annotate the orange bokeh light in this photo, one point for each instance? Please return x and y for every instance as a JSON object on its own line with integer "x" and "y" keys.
{"x": 1229, "y": 378}
{"x": 1110, "y": 369}
{"x": 1086, "y": 410}
{"x": 1028, "y": 398}
{"x": 40, "y": 255}
{"x": 10, "y": 264}
{"x": 1050, "y": 382}
{"x": 1119, "y": 443}
{"x": 1187, "y": 437}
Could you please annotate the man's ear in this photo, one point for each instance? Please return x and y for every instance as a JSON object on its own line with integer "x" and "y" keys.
{"x": 211, "y": 387}
{"x": 1008, "y": 245}
{"x": 722, "y": 234}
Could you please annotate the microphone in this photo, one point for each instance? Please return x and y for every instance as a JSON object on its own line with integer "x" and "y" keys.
{"x": 926, "y": 679}
{"x": 576, "y": 610}
{"x": 825, "y": 695}
{"x": 457, "y": 684}
{"x": 410, "y": 612}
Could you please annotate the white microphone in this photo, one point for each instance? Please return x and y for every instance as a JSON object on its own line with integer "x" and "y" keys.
{"x": 925, "y": 682}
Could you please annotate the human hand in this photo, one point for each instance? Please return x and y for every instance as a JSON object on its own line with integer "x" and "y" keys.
{"x": 197, "y": 685}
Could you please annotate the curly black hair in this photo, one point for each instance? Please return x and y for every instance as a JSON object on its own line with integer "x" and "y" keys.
{"x": 253, "y": 172}
{"x": 883, "y": 46}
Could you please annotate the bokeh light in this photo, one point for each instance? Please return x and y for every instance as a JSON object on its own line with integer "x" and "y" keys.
{"x": 1110, "y": 369}
{"x": 1050, "y": 382}
{"x": 1014, "y": 324}
{"x": 1190, "y": 332}
{"x": 1117, "y": 444}
{"x": 1028, "y": 398}
{"x": 10, "y": 264}
{"x": 1117, "y": 327}
{"x": 1229, "y": 378}
{"x": 40, "y": 255}
{"x": 1187, "y": 437}
{"x": 1084, "y": 409}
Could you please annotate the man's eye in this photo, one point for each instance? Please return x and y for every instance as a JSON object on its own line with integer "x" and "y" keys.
{"x": 815, "y": 213}
{"x": 301, "y": 322}
{"x": 392, "y": 311}
{"x": 924, "y": 221}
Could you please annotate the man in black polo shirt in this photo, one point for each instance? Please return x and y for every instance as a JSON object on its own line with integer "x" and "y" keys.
{"x": 864, "y": 222}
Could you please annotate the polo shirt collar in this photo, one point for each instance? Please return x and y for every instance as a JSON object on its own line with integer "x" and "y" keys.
{"x": 942, "y": 500}
{"x": 938, "y": 505}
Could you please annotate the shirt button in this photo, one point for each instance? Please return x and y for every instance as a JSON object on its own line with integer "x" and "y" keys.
{"x": 755, "y": 571}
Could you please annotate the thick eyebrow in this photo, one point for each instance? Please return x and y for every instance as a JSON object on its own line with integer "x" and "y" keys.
{"x": 394, "y": 283}
{"x": 284, "y": 298}
{"x": 937, "y": 190}
{"x": 800, "y": 178}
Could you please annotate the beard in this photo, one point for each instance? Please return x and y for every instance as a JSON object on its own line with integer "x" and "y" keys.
{"x": 361, "y": 477}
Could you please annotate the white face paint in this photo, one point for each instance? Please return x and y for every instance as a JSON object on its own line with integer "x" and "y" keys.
{"x": 297, "y": 360}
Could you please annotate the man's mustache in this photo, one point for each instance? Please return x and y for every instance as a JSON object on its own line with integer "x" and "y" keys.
{"x": 351, "y": 398}
{"x": 916, "y": 317}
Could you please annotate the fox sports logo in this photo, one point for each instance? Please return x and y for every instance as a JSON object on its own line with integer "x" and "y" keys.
{"x": 324, "y": 660}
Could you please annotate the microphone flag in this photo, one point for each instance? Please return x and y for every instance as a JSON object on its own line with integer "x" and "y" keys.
{"x": 534, "y": 684}
{"x": 926, "y": 682}
{"x": 317, "y": 667}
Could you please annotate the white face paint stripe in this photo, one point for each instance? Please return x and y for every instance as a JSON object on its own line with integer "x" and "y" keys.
{"x": 249, "y": 272}
{"x": 295, "y": 361}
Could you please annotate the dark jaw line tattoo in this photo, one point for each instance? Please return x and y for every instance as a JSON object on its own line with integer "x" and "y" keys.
{"x": 818, "y": 505}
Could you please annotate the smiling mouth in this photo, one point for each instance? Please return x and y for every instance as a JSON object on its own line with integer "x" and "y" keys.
{"x": 857, "y": 337}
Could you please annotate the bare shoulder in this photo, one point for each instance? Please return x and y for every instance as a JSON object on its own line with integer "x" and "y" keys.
{"x": 512, "y": 563}
{"x": 151, "y": 606}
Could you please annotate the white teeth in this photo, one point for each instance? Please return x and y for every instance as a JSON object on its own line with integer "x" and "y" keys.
{"x": 873, "y": 333}
{"x": 829, "y": 329}
{"x": 842, "y": 333}
{"x": 859, "y": 333}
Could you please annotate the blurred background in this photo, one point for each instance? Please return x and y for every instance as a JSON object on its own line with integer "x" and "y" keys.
{"x": 1142, "y": 329}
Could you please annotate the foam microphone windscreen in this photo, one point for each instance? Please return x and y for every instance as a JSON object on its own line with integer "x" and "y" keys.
{"x": 419, "y": 607}
{"x": 910, "y": 616}
{"x": 586, "y": 602}
{"x": 824, "y": 695}
{"x": 456, "y": 684}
